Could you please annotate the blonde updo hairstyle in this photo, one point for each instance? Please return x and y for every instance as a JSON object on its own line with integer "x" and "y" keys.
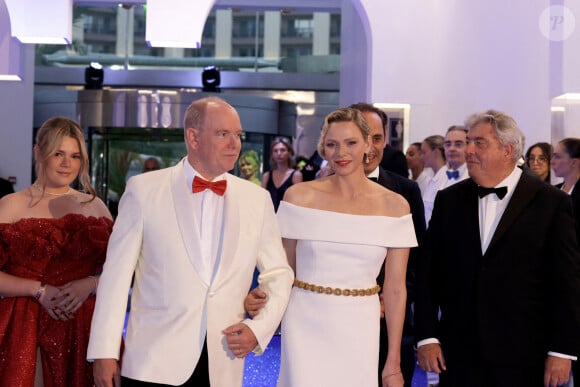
{"x": 343, "y": 115}
{"x": 49, "y": 138}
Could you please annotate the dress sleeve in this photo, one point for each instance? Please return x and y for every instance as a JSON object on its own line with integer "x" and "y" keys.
{"x": 3, "y": 245}
{"x": 302, "y": 223}
{"x": 98, "y": 235}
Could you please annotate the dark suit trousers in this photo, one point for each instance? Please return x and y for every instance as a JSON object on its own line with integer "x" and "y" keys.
{"x": 461, "y": 376}
{"x": 199, "y": 378}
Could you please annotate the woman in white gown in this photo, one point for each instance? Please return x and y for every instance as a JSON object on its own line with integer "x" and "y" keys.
{"x": 337, "y": 232}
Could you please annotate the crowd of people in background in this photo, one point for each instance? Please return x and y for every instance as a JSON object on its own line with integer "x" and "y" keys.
{"x": 460, "y": 255}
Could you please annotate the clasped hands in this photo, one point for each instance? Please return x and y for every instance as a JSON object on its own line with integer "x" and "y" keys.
{"x": 63, "y": 301}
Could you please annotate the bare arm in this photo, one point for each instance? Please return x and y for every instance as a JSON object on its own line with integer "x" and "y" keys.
{"x": 394, "y": 296}
{"x": 12, "y": 286}
{"x": 265, "y": 178}
{"x": 297, "y": 177}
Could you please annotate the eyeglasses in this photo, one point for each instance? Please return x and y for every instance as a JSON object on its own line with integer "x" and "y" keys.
{"x": 539, "y": 159}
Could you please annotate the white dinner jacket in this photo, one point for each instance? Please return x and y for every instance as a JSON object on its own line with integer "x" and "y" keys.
{"x": 156, "y": 237}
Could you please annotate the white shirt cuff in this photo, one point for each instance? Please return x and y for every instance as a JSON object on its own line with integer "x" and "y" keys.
{"x": 430, "y": 340}
{"x": 562, "y": 355}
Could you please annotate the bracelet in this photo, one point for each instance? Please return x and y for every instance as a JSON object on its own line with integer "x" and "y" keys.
{"x": 40, "y": 291}
{"x": 96, "y": 283}
{"x": 393, "y": 374}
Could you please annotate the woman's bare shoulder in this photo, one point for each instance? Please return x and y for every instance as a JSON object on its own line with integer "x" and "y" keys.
{"x": 302, "y": 193}
{"x": 12, "y": 205}
{"x": 392, "y": 204}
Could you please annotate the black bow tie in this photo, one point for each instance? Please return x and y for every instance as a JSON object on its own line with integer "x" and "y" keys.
{"x": 499, "y": 191}
{"x": 375, "y": 179}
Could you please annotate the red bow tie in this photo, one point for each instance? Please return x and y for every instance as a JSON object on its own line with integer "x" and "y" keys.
{"x": 199, "y": 185}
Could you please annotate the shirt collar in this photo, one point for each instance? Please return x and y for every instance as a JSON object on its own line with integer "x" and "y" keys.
{"x": 374, "y": 173}
{"x": 191, "y": 173}
{"x": 462, "y": 169}
{"x": 510, "y": 182}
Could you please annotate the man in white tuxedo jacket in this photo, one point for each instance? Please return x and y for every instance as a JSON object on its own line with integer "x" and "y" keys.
{"x": 193, "y": 255}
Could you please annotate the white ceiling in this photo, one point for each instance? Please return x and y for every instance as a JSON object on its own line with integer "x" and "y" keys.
{"x": 312, "y": 5}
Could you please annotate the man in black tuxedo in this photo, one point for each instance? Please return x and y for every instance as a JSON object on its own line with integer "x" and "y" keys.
{"x": 410, "y": 191}
{"x": 5, "y": 187}
{"x": 502, "y": 263}
{"x": 394, "y": 160}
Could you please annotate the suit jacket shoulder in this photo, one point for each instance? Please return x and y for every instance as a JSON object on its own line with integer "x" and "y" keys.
{"x": 395, "y": 161}
{"x": 410, "y": 191}
{"x": 575, "y": 197}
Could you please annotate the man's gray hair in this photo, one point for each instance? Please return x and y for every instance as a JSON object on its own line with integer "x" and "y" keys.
{"x": 505, "y": 127}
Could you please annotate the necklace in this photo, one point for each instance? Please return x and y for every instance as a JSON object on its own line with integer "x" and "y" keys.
{"x": 35, "y": 185}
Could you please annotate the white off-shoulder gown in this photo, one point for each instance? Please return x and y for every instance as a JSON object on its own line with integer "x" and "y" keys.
{"x": 330, "y": 340}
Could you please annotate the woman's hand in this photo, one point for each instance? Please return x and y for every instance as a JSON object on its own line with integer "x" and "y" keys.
{"x": 255, "y": 301}
{"x": 49, "y": 300}
{"x": 72, "y": 295}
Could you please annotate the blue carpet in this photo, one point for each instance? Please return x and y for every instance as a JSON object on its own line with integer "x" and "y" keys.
{"x": 262, "y": 371}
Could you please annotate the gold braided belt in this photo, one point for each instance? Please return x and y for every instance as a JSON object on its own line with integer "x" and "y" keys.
{"x": 336, "y": 291}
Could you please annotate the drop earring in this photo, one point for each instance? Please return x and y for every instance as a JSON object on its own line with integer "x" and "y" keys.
{"x": 366, "y": 158}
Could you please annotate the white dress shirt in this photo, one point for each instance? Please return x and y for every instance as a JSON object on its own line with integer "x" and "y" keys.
{"x": 462, "y": 175}
{"x": 424, "y": 178}
{"x": 374, "y": 174}
{"x": 208, "y": 213}
{"x": 491, "y": 208}
{"x": 437, "y": 183}
{"x": 568, "y": 192}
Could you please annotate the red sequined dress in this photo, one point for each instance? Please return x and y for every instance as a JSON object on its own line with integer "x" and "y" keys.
{"x": 53, "y": 251}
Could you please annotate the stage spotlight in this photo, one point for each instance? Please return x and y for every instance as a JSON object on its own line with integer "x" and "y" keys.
{"x": 210, "y": 78}
{"x": 94, "y": 76}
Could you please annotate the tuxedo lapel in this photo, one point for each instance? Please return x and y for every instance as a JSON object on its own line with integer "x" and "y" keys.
{"x": 229, "y": 238}
{"x": 185, "y": 214}
{"x": 386, "y": 181}
{"x": 523, "y": 194}
{"x": 471, "y": 220}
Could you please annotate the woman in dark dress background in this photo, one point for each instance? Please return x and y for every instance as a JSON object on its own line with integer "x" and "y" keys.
{"x": 566, "y": 164}
{"x": 282, "y": 175}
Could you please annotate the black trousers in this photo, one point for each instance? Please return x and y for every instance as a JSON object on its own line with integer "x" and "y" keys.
{"x": 199, "y": 378}
{"x": 491, "y": 376}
